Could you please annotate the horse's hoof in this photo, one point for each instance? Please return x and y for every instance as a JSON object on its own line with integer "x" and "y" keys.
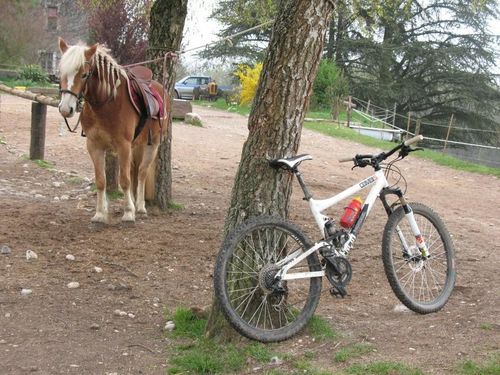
{"x": 99, "y": 219}
{"x": 128, "y": 217}
{"x": 142, "y": 211}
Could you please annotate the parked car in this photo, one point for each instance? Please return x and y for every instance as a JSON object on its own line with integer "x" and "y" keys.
{"x": 196, "y": 87}
{"x": 185, "y": 88}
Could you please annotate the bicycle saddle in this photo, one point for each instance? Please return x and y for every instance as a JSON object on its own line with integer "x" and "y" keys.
{"x": 289, "y": 163}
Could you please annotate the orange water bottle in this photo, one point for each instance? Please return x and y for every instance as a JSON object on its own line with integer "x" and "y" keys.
{"x": 351, "y": 213}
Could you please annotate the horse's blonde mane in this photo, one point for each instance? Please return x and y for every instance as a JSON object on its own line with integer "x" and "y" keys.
{"x": 102, "y": 61}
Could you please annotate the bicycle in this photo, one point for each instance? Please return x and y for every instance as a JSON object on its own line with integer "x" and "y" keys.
{"x": 268, "y": 274}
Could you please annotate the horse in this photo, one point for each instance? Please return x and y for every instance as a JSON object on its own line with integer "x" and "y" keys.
{"x": 109, "y": 120}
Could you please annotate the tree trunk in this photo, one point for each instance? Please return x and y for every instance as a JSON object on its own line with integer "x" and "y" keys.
{"x": 275, "y": 122}
{"x": 112, "y": 172}
{"x": 167, "y": 23}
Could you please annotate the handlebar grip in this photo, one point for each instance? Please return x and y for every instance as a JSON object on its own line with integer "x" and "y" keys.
{"x": 413, "y": 140}
{"x": 345, "y": 160}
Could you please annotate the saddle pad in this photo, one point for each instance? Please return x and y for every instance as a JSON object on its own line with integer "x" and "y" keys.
{"x": 145, "y": 98}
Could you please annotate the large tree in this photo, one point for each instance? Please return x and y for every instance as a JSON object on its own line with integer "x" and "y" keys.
{"x": 276, "y": 118}
{"x": 433, "y": 58}
{"x": 122, "y": 25}
{"x": 165, "y": 35}
{"x": 20, "y": 40}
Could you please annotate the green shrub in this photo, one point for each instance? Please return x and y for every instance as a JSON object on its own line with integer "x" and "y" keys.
{"x": 33, "y": 73}
{"x": 330, "y": 87}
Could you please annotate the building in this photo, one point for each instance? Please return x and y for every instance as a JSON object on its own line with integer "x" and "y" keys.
{"x": 63, "y": 18}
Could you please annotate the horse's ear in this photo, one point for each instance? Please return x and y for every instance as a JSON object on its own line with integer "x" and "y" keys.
{"x": 63, "y": 46}
{"x": 89, "y": 52}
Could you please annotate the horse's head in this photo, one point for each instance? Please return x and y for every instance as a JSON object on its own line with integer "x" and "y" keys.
{"x": 75, "y": 70}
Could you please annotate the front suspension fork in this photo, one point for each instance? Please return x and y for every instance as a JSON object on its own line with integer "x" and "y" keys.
{"x": 419, "y": 239}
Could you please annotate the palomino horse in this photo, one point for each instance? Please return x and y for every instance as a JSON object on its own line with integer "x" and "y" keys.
{"x": 109, "y": 121}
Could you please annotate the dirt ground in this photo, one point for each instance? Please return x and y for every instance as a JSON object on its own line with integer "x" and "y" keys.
{"x": 166, "y": 260}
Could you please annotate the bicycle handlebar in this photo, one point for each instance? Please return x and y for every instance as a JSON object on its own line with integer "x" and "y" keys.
{"x": 345, "y": 160}
{"x": 413, "y": 140}
{"x": 374, "y": 160}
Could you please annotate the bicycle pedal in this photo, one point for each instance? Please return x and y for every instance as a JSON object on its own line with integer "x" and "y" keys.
{"x": 338, "y": 292}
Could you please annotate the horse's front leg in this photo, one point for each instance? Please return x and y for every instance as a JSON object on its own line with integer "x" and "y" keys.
{"x": 98, "y": 159}
{"x": 124, "y": 156}
{"x": 148, "y": 156}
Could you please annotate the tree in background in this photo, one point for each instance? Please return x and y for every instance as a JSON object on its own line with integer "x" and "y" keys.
{"x": 167, "y": 24}
{"x": 330, "y": 88}
{"x": 237, "y": 16}
{"x": 20, "y": 40}
{"x": 122, "y": 25}
{"x": 433, "y": 58}
{"x": 276, "y": 118}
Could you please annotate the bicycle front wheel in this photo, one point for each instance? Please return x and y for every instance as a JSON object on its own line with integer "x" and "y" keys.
{"x": 421, "y": 284}
{"x": 251, "y": 299}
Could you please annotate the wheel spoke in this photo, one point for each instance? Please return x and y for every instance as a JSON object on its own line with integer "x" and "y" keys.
{"x": 420, "y": 283}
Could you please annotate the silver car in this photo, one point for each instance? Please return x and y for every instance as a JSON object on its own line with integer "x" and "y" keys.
{"x": 184, "y": 87}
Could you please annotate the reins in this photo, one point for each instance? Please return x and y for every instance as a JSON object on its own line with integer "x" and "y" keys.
{"x": 79, "y": 97}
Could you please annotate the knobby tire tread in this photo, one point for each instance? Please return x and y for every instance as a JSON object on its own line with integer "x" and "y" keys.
{"x": 389, "y": 231}
{"x": 224, "y": 256}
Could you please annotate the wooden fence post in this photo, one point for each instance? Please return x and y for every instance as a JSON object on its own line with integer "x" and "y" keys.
{"x": 349, "y": 109}
{"x": 408, "y": 125}
{"x": 38, "y": 120}
{"x": 449, "y": 130}
{"x": 394, "y": 116}
{"x": 417, "y": 127}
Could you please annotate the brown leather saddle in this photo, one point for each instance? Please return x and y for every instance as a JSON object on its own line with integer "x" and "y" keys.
{"x": 146, "y": 100}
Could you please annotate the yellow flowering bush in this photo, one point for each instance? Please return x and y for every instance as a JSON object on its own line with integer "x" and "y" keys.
{"x": 249, "y": 79}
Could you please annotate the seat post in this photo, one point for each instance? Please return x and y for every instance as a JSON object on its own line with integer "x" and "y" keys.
{"x": 302, "y": 184}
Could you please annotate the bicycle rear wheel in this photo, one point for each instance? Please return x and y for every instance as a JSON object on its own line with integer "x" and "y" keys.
{"x": 245, "y": 286}
{"x": 422, "y": 285}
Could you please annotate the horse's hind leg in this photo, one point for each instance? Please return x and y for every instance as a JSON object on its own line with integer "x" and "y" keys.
{"x": 125, "y": 155}
{"x": 98, "y": 159}
{"x": 148, "y": 156}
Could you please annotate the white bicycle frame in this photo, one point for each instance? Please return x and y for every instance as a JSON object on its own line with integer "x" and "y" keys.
{"x": 317, "y": 206}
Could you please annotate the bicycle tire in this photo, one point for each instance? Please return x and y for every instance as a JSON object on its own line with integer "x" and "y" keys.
{"x": 235, "y": 280}
{"x": 422, "y": 285}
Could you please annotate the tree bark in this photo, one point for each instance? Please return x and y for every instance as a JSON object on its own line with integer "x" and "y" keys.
{"x": 276, "y": 119}
{"x": 165, "y": 35}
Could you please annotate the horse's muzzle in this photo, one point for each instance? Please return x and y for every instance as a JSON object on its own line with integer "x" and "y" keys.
{"x": 67, "y": 109}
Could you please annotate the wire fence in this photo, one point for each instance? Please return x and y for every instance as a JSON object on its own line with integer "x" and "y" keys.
{"x": 384, "y": 118}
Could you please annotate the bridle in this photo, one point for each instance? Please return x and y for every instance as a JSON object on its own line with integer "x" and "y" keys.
{"x": 79, "y": 97}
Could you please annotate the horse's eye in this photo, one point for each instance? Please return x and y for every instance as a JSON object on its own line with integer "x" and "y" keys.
{"x": 85, "y": 75}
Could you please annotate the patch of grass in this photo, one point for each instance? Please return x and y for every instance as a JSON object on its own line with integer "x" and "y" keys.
{"x": 175, "y": 206}
{"x": 43, "y": 164}
{"x": 490, "y": 367}
{"x": 486, "y": 326}
{"x": 440, "y": 158}
{"x": 208, "y": 358}
{"x": 222, "y": 104}
{"x": 321, "y": 330}
{"x": 383, "y": 368}
{"x": 74, "y": 180}
{"x": 201, "y": 355}
{"x": 259, "y": 352}
{"x": 451, "y": 162}
{"x": 114, "y": 195}
{"x": 352, "y": 351}
{"x": 187, "y": 324}
{"x": 2, "y": 141}
{"x": 13, "y": 82}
